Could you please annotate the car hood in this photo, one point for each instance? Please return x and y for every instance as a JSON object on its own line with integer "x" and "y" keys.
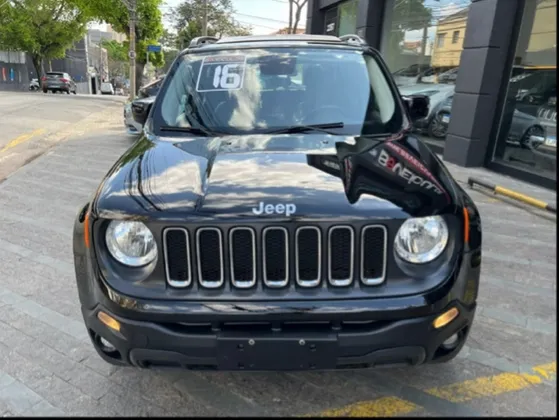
{"x": 301, "y": 176}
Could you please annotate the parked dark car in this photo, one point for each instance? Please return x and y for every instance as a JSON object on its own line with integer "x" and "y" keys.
{"x": 54, "y": 81}
{"x": 146, "y": 95}
{"x": 301, "y": 226}
{"x": 438, "y": 94}
{"x": 522, "y": 128}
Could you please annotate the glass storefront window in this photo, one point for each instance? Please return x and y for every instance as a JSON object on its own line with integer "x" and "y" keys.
{"x": 527, "y": 136}
{"x": 348, "y": 18}
{"x": 423, "y": 50}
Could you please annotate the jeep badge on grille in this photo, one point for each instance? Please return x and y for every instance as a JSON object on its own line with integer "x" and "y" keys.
{"x": 287, "y": 209}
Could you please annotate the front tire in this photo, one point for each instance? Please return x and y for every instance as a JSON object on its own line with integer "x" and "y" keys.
{"x": 436, "y": 129}
{"x": 534, "y": 130}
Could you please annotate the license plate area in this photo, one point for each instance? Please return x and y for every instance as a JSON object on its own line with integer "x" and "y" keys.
{"x": 551, "y": 141}
{"x": 277, "y": 353}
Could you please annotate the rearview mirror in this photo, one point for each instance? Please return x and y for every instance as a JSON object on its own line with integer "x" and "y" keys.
{"x": 417, "y": 106}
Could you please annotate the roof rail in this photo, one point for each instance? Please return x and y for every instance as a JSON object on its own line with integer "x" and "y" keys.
{"x": 202, "y": 40}
{"x": 354, "y": 39}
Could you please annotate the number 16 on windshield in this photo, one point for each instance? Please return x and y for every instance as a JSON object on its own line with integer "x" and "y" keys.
{"x": 221, "y": 73}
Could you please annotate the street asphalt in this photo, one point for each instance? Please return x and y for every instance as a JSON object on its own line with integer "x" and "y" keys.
{"x": 48, "y": 366}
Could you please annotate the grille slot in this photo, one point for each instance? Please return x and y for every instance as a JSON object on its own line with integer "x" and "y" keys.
{"x": 242, "y": 250}
{"x": 209, "y": 253}
{"x": 373, "y": 255}
{"x": 340, "y": 255}
{"x": 177, "y": 257}
{"x": 275, "y": 249}
{"x": 308, "y": 256}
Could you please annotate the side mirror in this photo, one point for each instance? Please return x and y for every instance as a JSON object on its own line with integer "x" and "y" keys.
{"x": 140, "y": 110}
{"x": 417, "y": 105}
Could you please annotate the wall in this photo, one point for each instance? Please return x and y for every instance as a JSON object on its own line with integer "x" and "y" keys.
{"x": 484, "y": 60}
{"x": 14, "y": 73}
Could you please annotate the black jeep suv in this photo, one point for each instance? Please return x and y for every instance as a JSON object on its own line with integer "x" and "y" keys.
{"x": 278, "y": 214}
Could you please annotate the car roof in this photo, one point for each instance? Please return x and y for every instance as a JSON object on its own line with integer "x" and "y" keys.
{"x": 254, "y": 41}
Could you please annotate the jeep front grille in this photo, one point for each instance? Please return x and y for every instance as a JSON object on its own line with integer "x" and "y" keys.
{"x": 242, "y": 255}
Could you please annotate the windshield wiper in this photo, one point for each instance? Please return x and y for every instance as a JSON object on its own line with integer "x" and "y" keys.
{"x": 311, "y": 127}
{"x": 199, "y": 131}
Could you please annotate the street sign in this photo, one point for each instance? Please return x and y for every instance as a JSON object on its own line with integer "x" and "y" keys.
{"x": 154, "y": 48}
{"x": 132, "y": 55}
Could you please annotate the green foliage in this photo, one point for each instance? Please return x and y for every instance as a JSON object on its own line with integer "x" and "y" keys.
{"x": 43, "y": 28}
{"x": 115, "y": 50}
{"x": 148, "y": 25}
{"x": 187, "y": 20}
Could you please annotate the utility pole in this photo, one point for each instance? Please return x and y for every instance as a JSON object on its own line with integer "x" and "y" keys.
{"x": 205, "y": 18}
{"x": 131, "y": 4}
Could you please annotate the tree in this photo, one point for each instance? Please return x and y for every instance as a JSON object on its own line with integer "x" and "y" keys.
{"x": 294, "y": 22}
{"x": 43, "y": 28}
{"x": 118, "y": 57}
{"x": 148, "y": 26}
{"x": 187, "y": 20}
{"x": 168, "y": 42}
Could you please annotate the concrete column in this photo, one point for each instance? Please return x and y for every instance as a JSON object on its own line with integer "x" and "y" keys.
{"x": 315, "y": 18}
{"x": 370, "y": 15}
{"x": 483, "y": 64}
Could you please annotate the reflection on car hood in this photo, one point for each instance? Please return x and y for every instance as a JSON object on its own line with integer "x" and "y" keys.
{"x": 323, "y": 176}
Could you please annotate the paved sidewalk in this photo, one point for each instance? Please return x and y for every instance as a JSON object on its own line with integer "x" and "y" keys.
{"x": 48, "y": 366}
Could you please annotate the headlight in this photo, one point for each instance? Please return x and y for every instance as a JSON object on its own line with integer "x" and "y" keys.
{"x": 131, "y": 243}
{"x": 421, "y": 240}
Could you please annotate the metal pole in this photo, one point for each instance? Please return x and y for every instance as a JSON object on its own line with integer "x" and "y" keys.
{"x": 205, "y": 17}
{"x": 132, "y": 52}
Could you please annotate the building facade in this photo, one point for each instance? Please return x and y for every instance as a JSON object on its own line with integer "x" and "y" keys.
{"x": 14, "y": 74}
{"x": 488, "y": 66}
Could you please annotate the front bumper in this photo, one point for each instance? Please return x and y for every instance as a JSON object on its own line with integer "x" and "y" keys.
{"x": 303, "y": 343}
{"x": 132, "y": 127}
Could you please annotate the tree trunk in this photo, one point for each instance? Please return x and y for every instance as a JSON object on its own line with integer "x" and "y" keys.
{"x": 139, "y": 75}
{"x": 297, "y": 17}
{"x": 290, "y": 17}
{"x": 299, "y": 6}
{"x": 38, "y": 65}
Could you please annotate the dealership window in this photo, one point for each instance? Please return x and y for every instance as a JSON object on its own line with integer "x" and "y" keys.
{"x": 348, "y": 18}
{"x": 527, "y": 138}
{"x": 422, "y": 46}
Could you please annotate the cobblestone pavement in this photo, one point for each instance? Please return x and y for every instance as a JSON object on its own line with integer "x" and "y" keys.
{"x": 48, "y": 367}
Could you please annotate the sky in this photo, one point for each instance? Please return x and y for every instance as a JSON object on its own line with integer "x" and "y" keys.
{"x": 264, "y": 16}
{"x": 267, "y": 16}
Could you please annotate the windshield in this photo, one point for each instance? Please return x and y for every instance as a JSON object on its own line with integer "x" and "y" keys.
{"x": 261, "y": 90}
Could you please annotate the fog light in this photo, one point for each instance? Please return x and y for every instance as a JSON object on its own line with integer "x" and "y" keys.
{"x": 451, "y": 342}
{"x": 106, "y": 344}
{"x": 109, "y": 321}
{"x": 445, "y": 318}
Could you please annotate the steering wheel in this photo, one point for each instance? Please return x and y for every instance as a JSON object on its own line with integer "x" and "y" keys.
{"x": 330, "y": 113}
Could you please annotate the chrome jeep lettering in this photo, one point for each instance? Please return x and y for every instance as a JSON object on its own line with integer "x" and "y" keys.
{"x": 287, "y": 209}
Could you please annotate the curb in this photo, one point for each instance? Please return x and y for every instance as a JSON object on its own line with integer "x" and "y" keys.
{"x": 515, "y": 195}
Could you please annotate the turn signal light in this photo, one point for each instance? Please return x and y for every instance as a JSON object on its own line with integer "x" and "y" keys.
{"x": 109, "y": 321}
{"x": 445, "y": 318}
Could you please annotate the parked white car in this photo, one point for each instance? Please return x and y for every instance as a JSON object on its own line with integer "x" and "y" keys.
{"x": 107, "y": 88}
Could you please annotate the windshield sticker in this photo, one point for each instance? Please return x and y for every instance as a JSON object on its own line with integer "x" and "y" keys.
{"x": 219, "y": 73}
